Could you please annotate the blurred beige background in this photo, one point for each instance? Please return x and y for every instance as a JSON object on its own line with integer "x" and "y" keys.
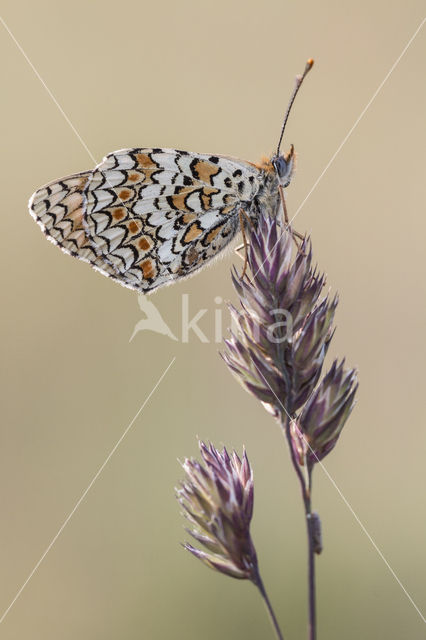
{"x": 210, "y": 77}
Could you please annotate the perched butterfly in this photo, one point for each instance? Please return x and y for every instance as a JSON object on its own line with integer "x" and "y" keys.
{"x": 147, "y": 217}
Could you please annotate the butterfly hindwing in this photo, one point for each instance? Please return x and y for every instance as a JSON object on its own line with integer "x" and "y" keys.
{"x": 58, "y": 210}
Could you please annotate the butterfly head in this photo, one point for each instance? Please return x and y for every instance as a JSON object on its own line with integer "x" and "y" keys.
{"x": 283, "y": 166}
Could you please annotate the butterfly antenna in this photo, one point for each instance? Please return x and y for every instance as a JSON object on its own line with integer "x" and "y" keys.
{"x": 299, "y": 80}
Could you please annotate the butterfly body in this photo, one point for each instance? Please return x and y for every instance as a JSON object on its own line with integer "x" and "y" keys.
{"x": 147, "y": 217}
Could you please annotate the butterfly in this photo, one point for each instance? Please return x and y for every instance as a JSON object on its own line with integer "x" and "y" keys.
{"x": 146, "y": 217}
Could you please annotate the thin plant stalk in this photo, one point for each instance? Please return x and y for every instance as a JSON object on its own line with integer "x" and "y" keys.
{"x": 306, "y": 496}
{"x": 259, "y": 584}
{"x": 311, "y": 566}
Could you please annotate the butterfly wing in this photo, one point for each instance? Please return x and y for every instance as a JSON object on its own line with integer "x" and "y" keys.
{"x": 58, "y": 210}
{"x": 147, "y": 217}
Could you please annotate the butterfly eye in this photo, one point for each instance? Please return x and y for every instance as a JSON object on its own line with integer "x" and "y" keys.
{"x": 284, "y": 168}
{"x": 280, "y": 166}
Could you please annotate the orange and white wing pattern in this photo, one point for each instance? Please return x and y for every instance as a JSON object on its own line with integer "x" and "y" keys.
{"x": 58, "y": 210}
{"x": 146, "y": 217}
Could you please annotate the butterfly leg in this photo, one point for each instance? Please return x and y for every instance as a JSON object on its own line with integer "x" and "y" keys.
{"x": 298, "y": 239}
{"x": 238, "y": 249}
{"x": 243, "y": 216}
{"x": 295, "y": 234}
{"x": 284, "y": 206}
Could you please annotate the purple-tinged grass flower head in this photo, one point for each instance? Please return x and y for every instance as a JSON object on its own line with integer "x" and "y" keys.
{"x": 217, "y": 498}
{"x": 284, "y": 326}
{"x": 319, "y": 425}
